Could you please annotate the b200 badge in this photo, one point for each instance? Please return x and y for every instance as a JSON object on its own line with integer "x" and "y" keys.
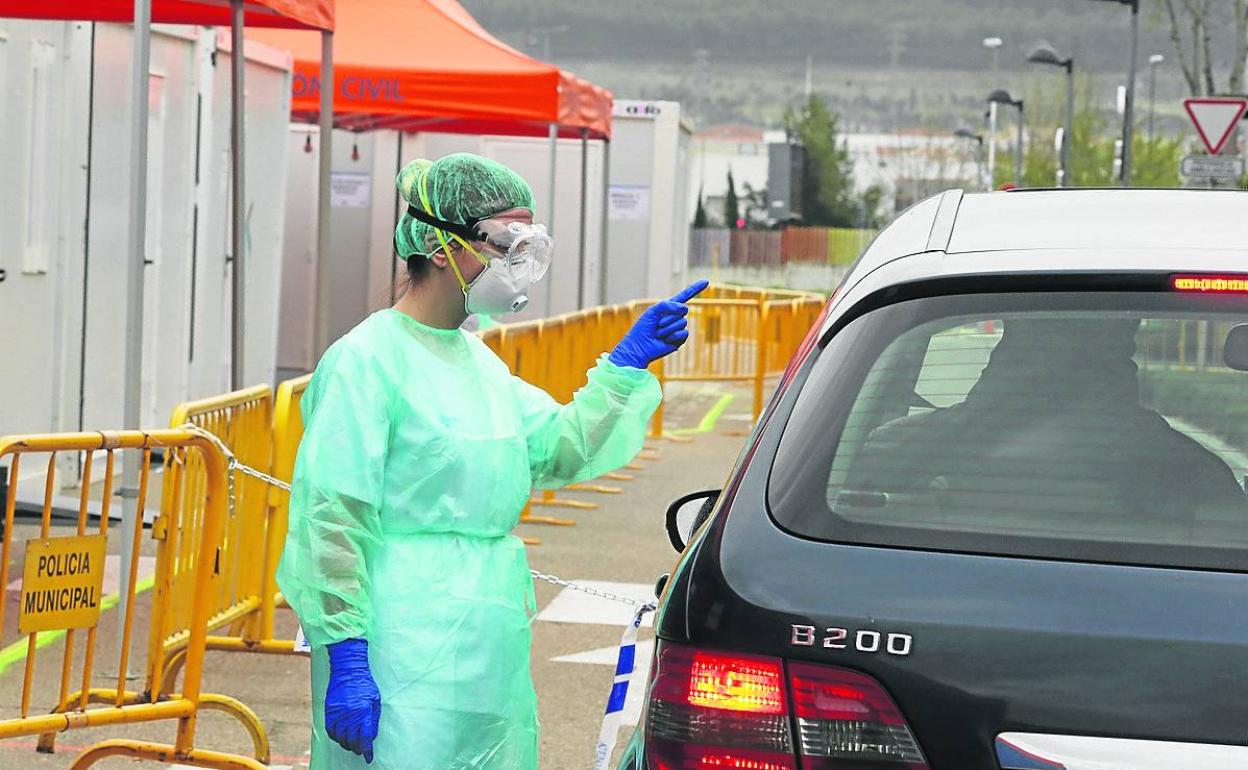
{"x": 864, "y": 640}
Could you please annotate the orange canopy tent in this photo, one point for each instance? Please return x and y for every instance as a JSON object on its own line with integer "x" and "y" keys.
{"x": 428, "y": 65}
{"x": 298, "y": 14}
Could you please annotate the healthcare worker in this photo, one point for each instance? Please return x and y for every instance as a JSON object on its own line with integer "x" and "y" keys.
{"x": 419, "y": 453}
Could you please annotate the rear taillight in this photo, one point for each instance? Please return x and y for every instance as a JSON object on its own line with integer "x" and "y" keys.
{"x": 717, "y": 710}
{"x": 846, "y": 719}
{"x": 712, "y": 710}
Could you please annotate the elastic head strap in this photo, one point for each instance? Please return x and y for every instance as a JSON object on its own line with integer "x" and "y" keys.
{"x": 440, "y": 225}
{"x": 467, "y": 232}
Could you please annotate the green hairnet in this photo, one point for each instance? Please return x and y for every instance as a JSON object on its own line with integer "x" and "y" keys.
{"x": 460, "y": 188}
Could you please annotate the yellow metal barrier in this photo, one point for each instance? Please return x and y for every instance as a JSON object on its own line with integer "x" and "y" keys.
{"x": 242, "y": 420}
{"x": 261, "y": 512}
{"x": 191, "y": 534}
{"x": 726, "y": 343}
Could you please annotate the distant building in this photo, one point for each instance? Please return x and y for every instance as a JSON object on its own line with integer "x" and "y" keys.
{"x": 911, "y": 165}
{"x": 718, "y": 149}
{"x": 907, "y": 165}
{"x": 786, "y": 168}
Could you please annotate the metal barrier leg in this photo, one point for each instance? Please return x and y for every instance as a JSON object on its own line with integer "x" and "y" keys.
{"x": 527, "y": 517}
{"x": 248, "y": 718}
{"x": 675, "y": 439}
{"x": 47, "y": 741}
{"x": 161, "y": 752}
{"x": 548, "y": 500}
{"x": 599, "y": 488}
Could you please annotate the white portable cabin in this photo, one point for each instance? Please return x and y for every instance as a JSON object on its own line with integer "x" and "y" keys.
{"x": 364, "y": 206}
{"x": 648, "y": 211}
{"x": 64, "y": 209}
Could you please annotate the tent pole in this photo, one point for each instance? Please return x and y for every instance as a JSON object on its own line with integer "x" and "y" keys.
{"x": 394, "y": 256}
{"x": 132, "y": 412}
{"x": 238, "y": 240}
{"x": 321, "y": 335}
{"x": 606, "y": 201}
{"x": 86, "y": 242}
{"x": 550, "y": 211}
{"x": 580, "y": 280}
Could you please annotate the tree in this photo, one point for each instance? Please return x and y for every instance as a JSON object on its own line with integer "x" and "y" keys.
{"x": 828, "y": 197}
{"x": 699, "y": 216}
{"x": 754, "y": 207}
{"x": 1092, "y": 157}
{"x": 1193, "y": 25}
{"x": 732, "y": 211}
{"x": 870, "y": 214}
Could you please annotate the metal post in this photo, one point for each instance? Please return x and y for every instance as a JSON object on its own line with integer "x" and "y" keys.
{"x": 1128, "y": 116}
{"x": 132, "y": 412}
{"x": 580, "y": 280}
{"x": 322, "y": 193}
{"x": 550, "y": 209}
{"x": 606, "y": 204}
{"x": 1152, "y": 99}
{"x": 1068, "y": 137}
{"x": 992, "y": 145}
{"x": 238, "y": 241}
{"x": 1018, "y": 151}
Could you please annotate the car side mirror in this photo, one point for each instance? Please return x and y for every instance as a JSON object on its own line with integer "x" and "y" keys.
{"x": 1235, "y": 354}
{"x": 686, "y": 514}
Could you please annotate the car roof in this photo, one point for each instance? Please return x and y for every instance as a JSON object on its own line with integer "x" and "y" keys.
{"x": 1095, "y": 228}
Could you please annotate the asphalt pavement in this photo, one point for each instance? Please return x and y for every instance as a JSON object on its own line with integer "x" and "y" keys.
{"x": 620, "y": 547}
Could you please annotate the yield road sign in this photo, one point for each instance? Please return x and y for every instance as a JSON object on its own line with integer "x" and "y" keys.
{"x": 1212, "y": 167}
{"x": 1215, "y": 118}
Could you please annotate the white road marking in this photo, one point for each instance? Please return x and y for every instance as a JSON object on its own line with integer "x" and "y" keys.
{"x": 572, "y": 606}
{"x": 607, "y": 656}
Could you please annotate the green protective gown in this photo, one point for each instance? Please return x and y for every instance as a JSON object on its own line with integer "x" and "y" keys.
{"x": 419, "y": 453}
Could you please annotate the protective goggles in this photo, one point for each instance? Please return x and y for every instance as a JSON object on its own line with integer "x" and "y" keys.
{"x": 522, "y": 250}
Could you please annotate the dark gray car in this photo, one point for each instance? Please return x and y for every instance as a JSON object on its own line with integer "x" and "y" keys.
{"x": 994, "y": 516}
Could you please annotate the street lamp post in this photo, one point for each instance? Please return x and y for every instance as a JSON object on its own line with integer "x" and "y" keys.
{"x": 1046, "y": 54}
{"x": 992, "y": 144}
{"x": 1128, "y": 112}
{"x": 966, "y": 133}
{"x": 993, "y": 44}
{"x": 1003, "y": 97}
{"x": 1153, "y": 62}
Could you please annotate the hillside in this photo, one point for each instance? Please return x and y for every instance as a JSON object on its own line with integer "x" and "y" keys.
{"x": 883, "y": 63}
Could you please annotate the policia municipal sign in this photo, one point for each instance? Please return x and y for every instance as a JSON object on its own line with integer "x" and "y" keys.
{"x": 61, "y": 583}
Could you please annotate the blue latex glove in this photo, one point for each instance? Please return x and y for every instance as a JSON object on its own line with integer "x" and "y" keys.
{"x": 352, "y": 702}
{"x": 660, "y": 331}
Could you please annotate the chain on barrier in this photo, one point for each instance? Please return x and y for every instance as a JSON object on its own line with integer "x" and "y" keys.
{"x": 625, "y": 659}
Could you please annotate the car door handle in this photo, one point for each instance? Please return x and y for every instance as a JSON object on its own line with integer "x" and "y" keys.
{"x": 3, "y": 274}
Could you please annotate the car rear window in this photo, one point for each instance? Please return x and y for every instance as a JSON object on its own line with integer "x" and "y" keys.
{"x": 1104, "y": 427}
